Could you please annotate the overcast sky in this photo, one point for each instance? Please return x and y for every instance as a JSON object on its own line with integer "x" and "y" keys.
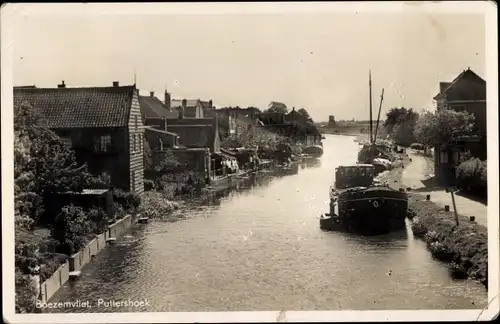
{"x": 316, "y": 61}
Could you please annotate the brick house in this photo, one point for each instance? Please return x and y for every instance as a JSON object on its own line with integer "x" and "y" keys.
{"x": 196, "y": 132}
{"x": 152, "y": 107}
{"x": 235, "y": 120}
{"x": 467, "y": 92}
{"x": 102, "y": 124}
{"x": 191, "y": 108}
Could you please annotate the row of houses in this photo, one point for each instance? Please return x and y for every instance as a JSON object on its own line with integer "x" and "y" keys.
{"x": 108, "y": 126}
{"x": 467, "y": 92}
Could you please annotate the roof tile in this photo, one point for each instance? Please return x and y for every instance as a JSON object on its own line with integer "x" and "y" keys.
{"x": 79, "y": 107}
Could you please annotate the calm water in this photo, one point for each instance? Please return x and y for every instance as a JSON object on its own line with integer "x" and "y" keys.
{"x": 260, "y": 248}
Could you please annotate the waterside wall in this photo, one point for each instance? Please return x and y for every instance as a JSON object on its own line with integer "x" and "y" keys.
{"x": 79, "y": 260}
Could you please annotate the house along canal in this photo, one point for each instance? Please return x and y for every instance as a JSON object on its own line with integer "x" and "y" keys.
{"x": 260, "y": 248}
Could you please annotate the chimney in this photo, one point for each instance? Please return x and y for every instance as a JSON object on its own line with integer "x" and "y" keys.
{"x": 182, "y": 108}
{"x": 168, "y": 100}
{"x": 210, "y": 104}
{"x": 151, "y": 94}
{"x": 62, "y": 85}
{"x": 116, "y": 83}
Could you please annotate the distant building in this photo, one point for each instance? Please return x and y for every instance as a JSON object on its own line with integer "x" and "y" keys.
{"x": 191, "y": 108}
{"x": 196, "y": 132}
{"x": 331, "y": 121}
{"x": 152, "y": 107}
{"x": 467, "y": 92}
{"x": 102, "y": 124}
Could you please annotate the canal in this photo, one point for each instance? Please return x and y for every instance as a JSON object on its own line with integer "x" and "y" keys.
{"x": 260, "y": 248}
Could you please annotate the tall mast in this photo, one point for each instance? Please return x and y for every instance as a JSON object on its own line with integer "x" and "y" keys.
{"x": 371, "y": 125}
{"x": 378, "y": 118}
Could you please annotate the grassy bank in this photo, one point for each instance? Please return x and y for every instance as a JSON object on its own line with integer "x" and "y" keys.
{"x": 463, "y": 247}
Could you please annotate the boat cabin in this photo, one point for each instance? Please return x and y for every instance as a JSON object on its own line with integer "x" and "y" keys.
{"x": 359, "y": 175}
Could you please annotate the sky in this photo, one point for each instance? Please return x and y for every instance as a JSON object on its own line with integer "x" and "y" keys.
{"x": 317, "y": 61}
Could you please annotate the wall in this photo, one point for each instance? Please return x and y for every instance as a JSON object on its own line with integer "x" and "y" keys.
{"x": 136, "y": 135}
{"x": 79, "y": 260}
{"x": 50, "y": 286}
{"x": 119, "y": 228}
{"x": 114, "y": 162}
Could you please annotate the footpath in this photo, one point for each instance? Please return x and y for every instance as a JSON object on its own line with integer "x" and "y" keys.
{"x": 418, "y": 175}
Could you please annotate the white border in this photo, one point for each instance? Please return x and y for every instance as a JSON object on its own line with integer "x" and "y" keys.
{"x": 8, "y": 13}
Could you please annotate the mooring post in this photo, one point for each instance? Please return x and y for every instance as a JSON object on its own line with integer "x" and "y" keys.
{"x": 452, "y": 192}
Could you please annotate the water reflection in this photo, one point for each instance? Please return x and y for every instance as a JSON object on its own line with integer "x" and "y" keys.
{"x": 310, "y": 163}
{"x": 259, "y": 247}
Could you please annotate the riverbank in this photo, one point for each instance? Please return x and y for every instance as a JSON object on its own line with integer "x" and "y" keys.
{"x": 464, "y": 246}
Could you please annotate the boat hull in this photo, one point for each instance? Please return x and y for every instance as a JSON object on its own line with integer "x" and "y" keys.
{"x": 372, "y": 211}
{"x": 330, "y": 223}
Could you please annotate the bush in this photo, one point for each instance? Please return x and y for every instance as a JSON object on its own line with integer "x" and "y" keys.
{"x": 27, "y": 258}
{"x": 130, "y": 201}
{"x": 25, "y": 293}
{"x": 99, "y": 220}
{"x": 118, "y": 212}
{"x": 157, "y": 205}
{"x": 471, "y": 175}
{"x": 71, "y": 228}
{"x": 49, "y": 263}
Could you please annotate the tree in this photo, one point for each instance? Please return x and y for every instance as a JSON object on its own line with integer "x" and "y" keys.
{"x": 400, "y": 124}
{"x": 394, "y": 117}
{"x": 275, "y": 106}
{"x": 71, "y": 227}
{"x": 305, "y": 114}
{"x": 442, "y": 127}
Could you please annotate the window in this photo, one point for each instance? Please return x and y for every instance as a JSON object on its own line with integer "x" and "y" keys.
{"x": 141, "y": 144}
{"x": 443, "y": 157}
{"x": 132, "y": 180}
{"x": 102, "y": 143}
{"x": 136, "y": 121}
{"x": 456, "y": 157}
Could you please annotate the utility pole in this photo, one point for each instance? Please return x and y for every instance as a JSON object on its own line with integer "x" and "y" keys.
{"x": 371, "y": 117}
{"x": 452, "y": 193}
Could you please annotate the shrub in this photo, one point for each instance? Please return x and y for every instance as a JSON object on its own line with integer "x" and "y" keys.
{"x": 130, "y": 201}
{"x": 25, "y": 293}
{"x": 71, "y": 228}
{"x": 471, "y": 175}
{"x": 26, "y": 258}
{"x": 157, "y": 205}
{"x": 118, "y": 212}
{"x": 99, "y": 220}
{"x": 49, "y": 263}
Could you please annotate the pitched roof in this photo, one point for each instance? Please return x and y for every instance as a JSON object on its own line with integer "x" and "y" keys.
{"x": 79, "y": 107}
{"x": 206, "y": 104}
{"x": 178, "y": 103}
{"x": 189, "y": 121}
{"x": 194, "y": 135}
{"x": 153, "y": 107}
{"x": 446, "y": 86}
